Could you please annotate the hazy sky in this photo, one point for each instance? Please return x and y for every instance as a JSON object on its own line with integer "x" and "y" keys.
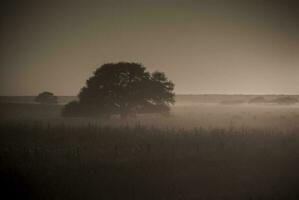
{"x": 217, "y": 46}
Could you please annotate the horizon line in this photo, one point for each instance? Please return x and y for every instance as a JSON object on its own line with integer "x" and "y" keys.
{"x": 178, "y": 94}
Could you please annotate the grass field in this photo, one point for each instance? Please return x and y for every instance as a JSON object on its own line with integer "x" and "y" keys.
{"x": 200, "y": 151}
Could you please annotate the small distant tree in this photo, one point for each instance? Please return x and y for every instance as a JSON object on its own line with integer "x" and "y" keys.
{"x": 258, "y": 99}
{"x": 46, "y": 98}
{"x": 123, "y": 88}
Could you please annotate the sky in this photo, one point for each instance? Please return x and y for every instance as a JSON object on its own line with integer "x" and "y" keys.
{"x": 204, "y": 47}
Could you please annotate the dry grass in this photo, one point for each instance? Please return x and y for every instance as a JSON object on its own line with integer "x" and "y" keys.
{"x": 208, "y": 151}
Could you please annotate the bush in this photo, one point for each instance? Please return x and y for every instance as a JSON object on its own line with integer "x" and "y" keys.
{"x": 46, "y": 98}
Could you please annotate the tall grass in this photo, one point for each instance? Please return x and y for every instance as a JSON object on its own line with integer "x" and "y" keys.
{"x": 41, "y": 161}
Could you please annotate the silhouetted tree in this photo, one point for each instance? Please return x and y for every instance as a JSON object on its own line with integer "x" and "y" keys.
{"x": 46, "y": 98}
{"x": 122, "y": 88}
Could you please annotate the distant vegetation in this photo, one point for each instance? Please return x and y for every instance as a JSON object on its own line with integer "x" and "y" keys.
{"x": 125, "y": 89}
{"x": 232, "y": 102}
{"x": 259, "y": 99}
{"x": 281, "y": 99}
{"x": 46, "y": 98}
{"x": 285, "y": 100}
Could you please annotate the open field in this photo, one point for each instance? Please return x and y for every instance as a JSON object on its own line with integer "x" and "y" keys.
{"x": 203, "y": 150}
{"x": 90, "y": 162}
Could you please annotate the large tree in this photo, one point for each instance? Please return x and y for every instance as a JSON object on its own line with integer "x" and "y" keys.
{"x": 122, "y": 88}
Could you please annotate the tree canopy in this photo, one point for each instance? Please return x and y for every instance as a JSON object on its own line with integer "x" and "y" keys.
{"x": 123, "y": 88}
{"x": 46, "y": 98}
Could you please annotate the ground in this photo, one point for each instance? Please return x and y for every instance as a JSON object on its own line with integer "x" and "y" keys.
{"x": 203, "y": 150}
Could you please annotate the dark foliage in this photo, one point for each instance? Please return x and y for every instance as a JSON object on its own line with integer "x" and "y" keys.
{"x": 122, "y": 88}
{"x": 46, "y": 98}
